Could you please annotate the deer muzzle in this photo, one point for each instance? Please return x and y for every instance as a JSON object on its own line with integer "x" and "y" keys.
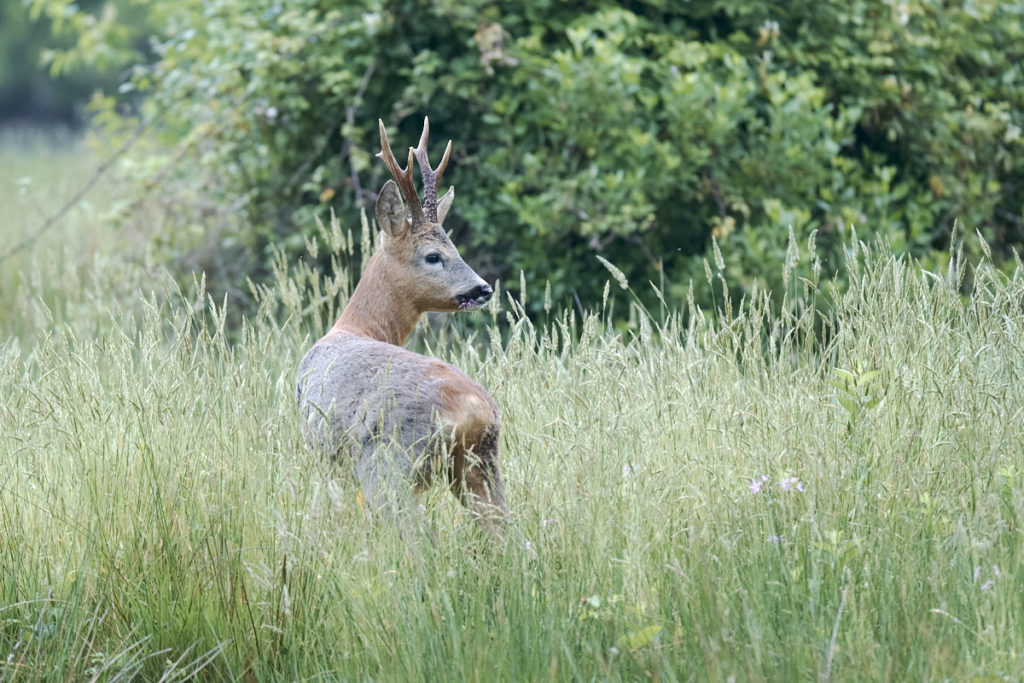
{"x": 475, "y": 297}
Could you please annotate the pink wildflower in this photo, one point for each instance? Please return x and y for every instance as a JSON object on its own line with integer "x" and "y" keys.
{"x": 756, "y": 484}
{"x": 792, "y": 483}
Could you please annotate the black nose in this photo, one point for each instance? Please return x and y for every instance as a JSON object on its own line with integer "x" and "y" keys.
{"x": 482, "y": 293}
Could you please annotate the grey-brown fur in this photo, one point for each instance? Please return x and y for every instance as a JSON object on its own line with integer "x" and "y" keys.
{"x": 360, "y": 397}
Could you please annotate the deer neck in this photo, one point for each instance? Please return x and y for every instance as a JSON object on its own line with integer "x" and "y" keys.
{"x": 377, "y": 309}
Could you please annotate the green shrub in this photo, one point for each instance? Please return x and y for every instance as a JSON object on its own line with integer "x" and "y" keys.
{"x": 637, "y": 131}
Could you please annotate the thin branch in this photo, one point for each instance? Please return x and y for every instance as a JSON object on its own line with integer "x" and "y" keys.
{"x": 79, "y": 195}
{"x": 350, "y": 119}
{"x": 712, "y": 186}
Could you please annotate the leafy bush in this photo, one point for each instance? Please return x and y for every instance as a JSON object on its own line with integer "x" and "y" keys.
{"x": 642, "y": 132}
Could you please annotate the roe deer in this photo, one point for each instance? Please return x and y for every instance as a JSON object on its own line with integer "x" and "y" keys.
{"x": 402, "y": 416}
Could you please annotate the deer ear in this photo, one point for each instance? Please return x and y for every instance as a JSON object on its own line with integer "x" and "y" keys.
{"x": 390, "y": 210}
{"x": 444, "y": 204}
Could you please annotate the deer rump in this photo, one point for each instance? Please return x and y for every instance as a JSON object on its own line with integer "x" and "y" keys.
{"x": 401, "y": 417}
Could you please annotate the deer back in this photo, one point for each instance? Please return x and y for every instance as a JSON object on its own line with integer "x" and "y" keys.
{"x": 360, "y": 396}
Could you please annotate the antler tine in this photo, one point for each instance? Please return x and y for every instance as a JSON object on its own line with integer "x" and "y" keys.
{"x": 444, "y": 162}
{"x": 403, "y": 176}
{"x": 431, "y": 176}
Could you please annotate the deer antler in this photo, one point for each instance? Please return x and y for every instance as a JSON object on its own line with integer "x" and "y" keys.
{"x": 403, "y": 176}
{"x": 431, "y": 176}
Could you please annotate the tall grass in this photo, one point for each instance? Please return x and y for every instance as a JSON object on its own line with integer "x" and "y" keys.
{"x": 715, "y": 495}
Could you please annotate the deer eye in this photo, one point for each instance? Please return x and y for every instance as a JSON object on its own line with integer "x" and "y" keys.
{"x": 432, "y": 258}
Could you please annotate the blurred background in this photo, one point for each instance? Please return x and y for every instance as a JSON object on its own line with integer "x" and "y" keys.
{"x": 660, "y": 135}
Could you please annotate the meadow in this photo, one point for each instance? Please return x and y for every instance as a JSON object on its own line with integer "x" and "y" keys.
{"x": 830, "y": 489}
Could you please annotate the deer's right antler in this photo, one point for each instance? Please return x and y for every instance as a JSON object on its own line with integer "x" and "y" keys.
{"x": 403, "y": 176}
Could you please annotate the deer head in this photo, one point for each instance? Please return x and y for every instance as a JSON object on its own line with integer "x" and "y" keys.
{"x": 419, "y": 256}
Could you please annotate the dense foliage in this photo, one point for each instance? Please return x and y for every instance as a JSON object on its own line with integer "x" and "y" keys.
{"x": 641, "y": 131}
